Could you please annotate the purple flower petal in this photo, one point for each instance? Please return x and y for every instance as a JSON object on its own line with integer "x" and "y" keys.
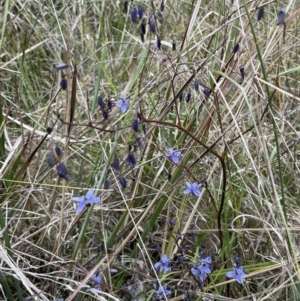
{"x": 78, "y": 198}
{"x": 80, "y": 206}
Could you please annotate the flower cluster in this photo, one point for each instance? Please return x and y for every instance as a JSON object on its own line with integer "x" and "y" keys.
{"x": 202, "y": 269}
{"x": 163, "y": 265}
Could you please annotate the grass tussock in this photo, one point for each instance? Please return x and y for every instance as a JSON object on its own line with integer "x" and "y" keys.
{"x": 149, "y": 150}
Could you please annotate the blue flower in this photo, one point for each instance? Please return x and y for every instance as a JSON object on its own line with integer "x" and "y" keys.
{"x": 202, "y": 269}
{"x": 97, "y": 278}
{"x": 237, "y": 274}
{"x": 175, "y": 156}
{"x": 162, "y": 291}
{"x": 163, "y": 264}
{"x": 85, "y": 200}
{"x": 123, "y": 103}
{"x": 192, "y": 188}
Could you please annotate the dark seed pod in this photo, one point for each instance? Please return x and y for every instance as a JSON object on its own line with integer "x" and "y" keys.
{"x": 131, "y": 160}
{"x": 109, "y": 104}
{"x": 50, "y": 159}
{"x": 143, "y": 28}
{"x": 142, "y": 38}
{"x": 140, "y": 12}
{"x": 62, "y": 171}
{"x": 158, "y": 42}
{"x": 236, "y": 48}
{"x": 122, "y": 181}
{"x": 49, "y": 130}
{"x": 125, "y": 6}
{"x": 63, "y": 84}
{"x": 101, "y": 102}
{"x": 106, "y": 184}
{"x": 242, "y": 72}
{"x": 188, "y": 97}
{"x": 135, "y": 124}
{"x": 129, "y": 147}
{"x": 196, "y": 85}
{"x": 58, "y": 151}
{"x": 134, "y": 14}
{"x": 206, "y": 93}
{"x": 116, "y": 164}
{"x": 152, "y": 25}
{"x": 260, "y": 13}
{"x": 144, "y": 129}
{"x": 162, "y": 6}
{"x": 105, "y": 114}
{"x": 173, "y": 46}
{"x": 281, "y": 16}
{"x": 169, "y": 176}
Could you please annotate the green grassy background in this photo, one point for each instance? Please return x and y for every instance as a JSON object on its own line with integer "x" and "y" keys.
{"x": 240, "y": 143}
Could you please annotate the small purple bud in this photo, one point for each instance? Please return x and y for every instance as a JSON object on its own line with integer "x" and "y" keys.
{"x": 101, "y": 102}
{"x": 142, "y": 38}
{"x": 141, "y": 12}
{"x": 50, "y": 159}
{"x": 116, "y": 164}
{"x": 237, "y": 261}
{"x": 134, "y": 14}
{"x": 281, "y": 16}
{"x": 196, "y": 85}
{"x": 143, "y": 28}
{"x": 157, "y": 248}
{"x": 62, "y": 171}
{"x": 106, "y": 184}
{"x": 206, "y": 93}
{"x": 172, "y": 222}
{"x": 63, "y": 84}
{"x": 135, "y": 124}
{"x": 49, "y": 130}
{"x": 158, "y": 42}
{"x": 236, "y": 48}
{"x": 162, "y": 5}
{"x": 173, "y": 46}
{"x": 131, "y": 160}
{"x": 242, "y": 71}
{"x": 260, "y": 13}
{"x": 152, "y": 25}
{"x": 122, "y": 181}
{"x": 125, "y": 6}
{"x": 58, "y": 151}
{"x": 109, "y": 104}
{"x": 105, "y": 114}
{"x": 188, "y": 96}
